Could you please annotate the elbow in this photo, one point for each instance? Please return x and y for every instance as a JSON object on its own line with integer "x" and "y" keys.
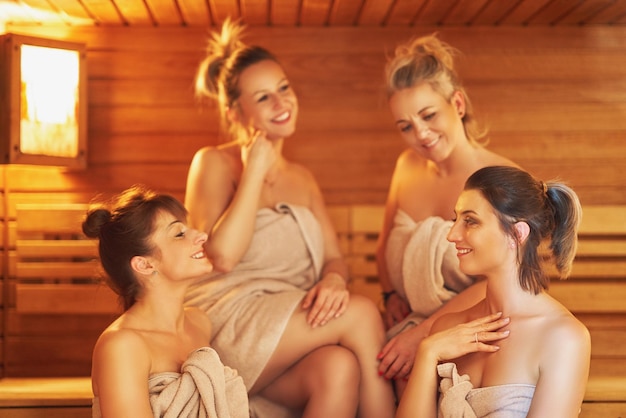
{"x": 223, "y": 264}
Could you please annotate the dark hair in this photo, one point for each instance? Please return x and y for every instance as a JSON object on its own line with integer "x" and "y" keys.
{"x": 124, "y": 227}
{"x": 227, "y": 57}
{"x": 551, "y": 210}
{"x": 430, "y": 60}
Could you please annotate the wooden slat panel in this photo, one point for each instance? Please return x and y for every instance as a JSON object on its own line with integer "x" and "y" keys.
{"x": 135, "y": 12}
{"x": 53, "y": 270}
{"x": 604, "y": 220}
{"x": 345, "y": 13}
{"x": 285, "y": 12}
{"x": 49, "y": 356}
{"x": 37, "y": 218}
{"x": 601, "y": 247}
{"x": 195, "y": 12}
{"x": 404, "y": 11}
{"x": 494, "y": 12}
{"x": 374, "y": 12}
{"x": 36, "y": 392}
{"x": 254, "y": 12}
{"x": 104, "y": 12}
{"x": 367, "y": 218}
{"x": 65, "y": 248}
{"x": 315, "y": 12}
{"x": 165, "y": 12}
{"x": 61, "y": 298}
{"x": 608, "y": 343}
{"x": 464, "y": 11}
{"x": 590, "y": 297}
{"x": 603, "y": 409}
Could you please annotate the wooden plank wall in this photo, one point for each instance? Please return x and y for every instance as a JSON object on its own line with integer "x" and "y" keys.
{"x": 554, "y": 98}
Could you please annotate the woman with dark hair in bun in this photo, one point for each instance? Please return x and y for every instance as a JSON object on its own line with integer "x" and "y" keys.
{"x": 518, "y": 352}
{"x": 278, "y": 300}
{"x": 155, "y": 359}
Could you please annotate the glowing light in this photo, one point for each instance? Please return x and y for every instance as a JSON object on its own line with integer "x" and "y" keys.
{"x": 49, "y": 110}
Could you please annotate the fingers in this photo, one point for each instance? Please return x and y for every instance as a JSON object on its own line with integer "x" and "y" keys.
{"x": 395, "y": 366}
{"x": 326, "y": 307}
{"x": 485, "y": 332}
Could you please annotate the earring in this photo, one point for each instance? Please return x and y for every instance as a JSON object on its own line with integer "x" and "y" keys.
{"x": 154, "y": 273}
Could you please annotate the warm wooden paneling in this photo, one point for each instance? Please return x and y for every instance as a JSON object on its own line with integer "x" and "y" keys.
{"x": 553, "y": 99}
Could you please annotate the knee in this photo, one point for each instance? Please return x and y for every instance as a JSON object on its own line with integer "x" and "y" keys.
{"x": 337, "y": 369}
{"x": 365, "y": 311}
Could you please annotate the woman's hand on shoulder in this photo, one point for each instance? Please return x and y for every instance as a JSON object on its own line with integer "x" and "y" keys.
{"x": 326, "y": 300}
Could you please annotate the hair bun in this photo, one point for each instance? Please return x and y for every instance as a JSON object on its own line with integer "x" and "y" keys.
{"x": 95, "y": 219}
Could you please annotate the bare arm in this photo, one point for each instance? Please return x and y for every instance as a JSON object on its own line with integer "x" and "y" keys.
{"x": 222, "y": 199}
{"x": 329, "y": 298}
{"x": 397, "y": 356}
{"x": 121, "y": 367}
{"x": 564, "y": 370}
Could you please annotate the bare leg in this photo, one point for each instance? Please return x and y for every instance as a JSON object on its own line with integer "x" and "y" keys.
{"x": 360, "y": 329}
{"x": 323, "y": 384}
{"x": 399, "y": 385}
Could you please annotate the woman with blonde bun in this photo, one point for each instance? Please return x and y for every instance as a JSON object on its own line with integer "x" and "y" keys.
{"x": 417, "y": 267}
{"x": 278, "y": 300}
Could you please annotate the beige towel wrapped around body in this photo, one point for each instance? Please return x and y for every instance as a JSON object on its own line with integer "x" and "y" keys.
{"x": 458, "y": 398}
{"x": 250, "y": 306}
{"x": 205, "y": 388}
{"x": 423, "y": 266}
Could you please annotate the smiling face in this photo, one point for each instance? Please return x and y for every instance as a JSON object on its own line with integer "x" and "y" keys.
{"x": 483, "y": 248}
{"x": 428, "y": 123}
{"x": 267, "y": 101}
{"x": 179, "y": 253}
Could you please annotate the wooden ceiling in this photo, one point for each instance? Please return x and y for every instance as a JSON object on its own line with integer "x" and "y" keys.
{"x": 315, "y": 12}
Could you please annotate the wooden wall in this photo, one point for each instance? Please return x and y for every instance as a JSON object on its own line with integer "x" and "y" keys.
{"x": 554, "y": 98}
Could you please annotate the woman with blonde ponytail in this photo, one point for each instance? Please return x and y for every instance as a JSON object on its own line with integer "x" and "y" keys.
{"x": 417, "y": 267}
{"x": 278, "y": 299}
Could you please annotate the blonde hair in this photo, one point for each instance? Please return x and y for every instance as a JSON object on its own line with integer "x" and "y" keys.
{"x": 429, "y": 60}
{"x": 217, "y": 76}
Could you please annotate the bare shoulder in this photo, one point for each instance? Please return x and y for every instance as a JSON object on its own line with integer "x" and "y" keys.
{"x": 565, "y": 330}
{"x": 492, "y": 158}
{"x": 116, "y": 338}
{"x": 226, "y": 153}
{"x": 410, "y": 160}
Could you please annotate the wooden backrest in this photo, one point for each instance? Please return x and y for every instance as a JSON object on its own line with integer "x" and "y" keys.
{"x": 56, "y": 304}
{"x": 597, "y": 282}
{"x": 53, "y": 267}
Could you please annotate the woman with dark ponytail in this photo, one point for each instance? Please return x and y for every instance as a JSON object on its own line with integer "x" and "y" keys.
{"x": 155, "y": 359}
{"x": 278, "y": 300}
{"x": 518, "y": 352}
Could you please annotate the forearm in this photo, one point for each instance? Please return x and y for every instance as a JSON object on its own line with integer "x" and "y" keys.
{"x": 420, "y": 396}
{"x": 231, "y": 236}
{"x": 336, "y": 265}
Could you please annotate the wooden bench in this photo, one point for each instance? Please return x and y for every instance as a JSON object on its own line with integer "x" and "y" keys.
{"x": 595, "y": 292}
{"x": 56, "y": 304}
